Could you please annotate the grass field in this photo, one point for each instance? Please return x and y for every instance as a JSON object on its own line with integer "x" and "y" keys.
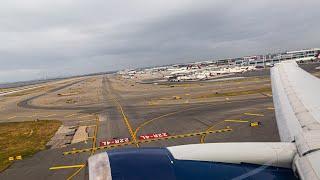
{"x": 24, "y": 138}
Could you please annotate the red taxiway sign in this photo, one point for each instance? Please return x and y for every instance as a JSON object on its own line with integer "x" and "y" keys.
{"x": 153, "y": 136}
{"x": 114, "y": 141}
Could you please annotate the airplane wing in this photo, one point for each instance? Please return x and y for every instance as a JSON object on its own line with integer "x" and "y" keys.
{"x": 297, "y": 106}
{"x": 296, "y": 96}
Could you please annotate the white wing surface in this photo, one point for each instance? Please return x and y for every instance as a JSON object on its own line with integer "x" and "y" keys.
{"x": 296, "y": 96}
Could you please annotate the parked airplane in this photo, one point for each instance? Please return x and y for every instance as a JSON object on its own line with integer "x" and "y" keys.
{"x": 297, "y": 107}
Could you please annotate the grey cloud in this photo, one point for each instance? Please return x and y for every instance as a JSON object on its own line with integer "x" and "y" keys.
{"x": 75, "y": 37}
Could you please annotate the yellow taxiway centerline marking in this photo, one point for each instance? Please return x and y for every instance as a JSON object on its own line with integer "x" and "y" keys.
{"x": 124, "y": 117}
{"x": 95, "y": 137}
{"x": 233, "y": 120}
{"x": 209, "y": 129}
{"x": 153, "y": 119}
{"x": 159, "y": 117}
{"x": 75, "y": 173}
{"x": 252, "y": 114}
{"x": 149, "y": 140}
{"x": 93, "y": 149}
{"x": 66, "y": 167}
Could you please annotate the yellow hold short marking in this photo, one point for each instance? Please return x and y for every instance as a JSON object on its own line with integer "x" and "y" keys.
{"x": 148, "y": 141}
{"x": 252, "y": 114}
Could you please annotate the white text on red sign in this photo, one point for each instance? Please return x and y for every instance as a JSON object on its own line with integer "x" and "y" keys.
{"x": 114, "y": 141}
{"x": 153, "y": 136}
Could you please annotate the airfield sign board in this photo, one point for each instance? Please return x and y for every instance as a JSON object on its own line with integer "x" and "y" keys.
{"x": 153, "y": 136}
{"x": 114, "y": 141}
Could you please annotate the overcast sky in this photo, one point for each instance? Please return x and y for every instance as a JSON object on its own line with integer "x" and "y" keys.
{"x": 41, "y": 38}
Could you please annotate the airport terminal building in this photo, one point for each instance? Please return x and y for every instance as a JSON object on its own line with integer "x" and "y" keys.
{"x": 300, "y": 56}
